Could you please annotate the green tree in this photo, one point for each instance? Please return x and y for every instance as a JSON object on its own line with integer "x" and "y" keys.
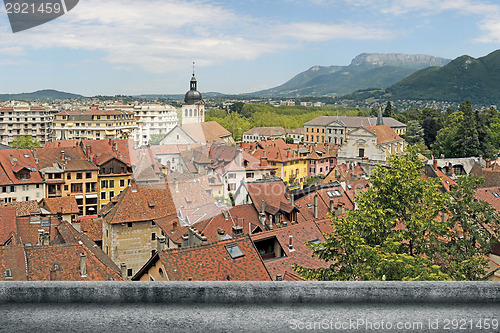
{"x": 156, "y": 138}
{"x": 388, "y": 110}
{"x": 392, "y": 234}
{"x": 397, "y": 232}
{"x": 471, "y": 223}
{"x": 289, "y": 140}
{"x": 414, "y": 133}
{"x": 468, "y": 138}
{"x": 25, "y": 142}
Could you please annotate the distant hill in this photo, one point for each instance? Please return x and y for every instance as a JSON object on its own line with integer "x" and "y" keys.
{"x": 40, "y": 95}
{"x": 367, "y": 70}
{"x": 461, "y": 79}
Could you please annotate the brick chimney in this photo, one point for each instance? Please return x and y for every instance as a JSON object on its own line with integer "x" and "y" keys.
{"x": 185, "y": 240}
{"x": 160, "y": 243}
{"x": 83, "y": 264}
{"x": 435, "y": 164}
{"x": 62, "y": 155}
{"x": 316, "y": 206}
{"x": 332, "y": 206}
{"x": 263, "y": 161}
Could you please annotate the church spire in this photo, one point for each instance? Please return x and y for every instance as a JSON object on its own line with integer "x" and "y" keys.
{"x": 380, "y": 119}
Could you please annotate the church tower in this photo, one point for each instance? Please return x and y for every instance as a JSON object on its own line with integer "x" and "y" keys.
{"x": 193, "y": 108}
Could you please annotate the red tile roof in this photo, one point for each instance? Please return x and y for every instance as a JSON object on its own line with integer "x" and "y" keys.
{"x": 48, "y": 156}
{"x": 139, "y": 203}
{"x": 300, "y": 254}
{"x": 92, "y": 228}
{"x": 491, "y": 195}
{"x": 12, "y": 258}
{"x": 7, "y": 222}
{"x": 213, "y": 262}
{"x": 325, "y": 195}
{"x": 384, "y": 134}
{"x": 209, "y": 131}
{"x": 25, "y": 208}
{"x": 21, "y": 160}
{"x": 64, "y": 205}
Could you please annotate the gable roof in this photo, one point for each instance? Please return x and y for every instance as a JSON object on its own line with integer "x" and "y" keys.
{"x": 384, "y": 134}
{"x": 299, "y": 254}
{"x": 12, "y": 162}
{"x": 213, "y": 262}
{"x": 139, "y": 203}
{"x": 7, "y": 222}
{"x": 209, "y": 131}
{"x": 64, "y": 205}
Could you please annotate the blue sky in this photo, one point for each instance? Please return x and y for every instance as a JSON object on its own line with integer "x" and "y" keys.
{"x": 147, "y": 46}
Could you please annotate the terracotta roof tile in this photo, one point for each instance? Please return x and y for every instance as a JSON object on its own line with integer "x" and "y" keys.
{"x": 384, "y": 134}
{"x": 64, "y": 205}
{"x": 213, "y": 262}
{"x": 7, "y": 222}
{"x": 300, "y": 254}
{"x": 22, "y": 161}
{"x": 92, "y": 228}
{"x": 25, "y": 208}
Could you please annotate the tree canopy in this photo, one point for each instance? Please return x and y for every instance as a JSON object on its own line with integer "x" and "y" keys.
{"x": 25, "y": 142}
{"x": 405, "y": 228}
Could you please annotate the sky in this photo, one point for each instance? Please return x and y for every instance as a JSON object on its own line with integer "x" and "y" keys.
{"x": 148, "y": 46}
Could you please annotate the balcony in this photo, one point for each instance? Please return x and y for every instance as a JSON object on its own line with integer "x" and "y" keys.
{"x": 246, "y": 306}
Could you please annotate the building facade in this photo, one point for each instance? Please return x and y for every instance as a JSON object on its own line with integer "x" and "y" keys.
{"x": 94, "y": 124}
{"x": 193, "y": 108}
{"x": 26, "y": 120}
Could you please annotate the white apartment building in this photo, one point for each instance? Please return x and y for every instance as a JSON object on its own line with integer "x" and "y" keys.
{"x": 153, "y": 119}
{"x": 150, "y": 119}
{"x": 24, "y": 119}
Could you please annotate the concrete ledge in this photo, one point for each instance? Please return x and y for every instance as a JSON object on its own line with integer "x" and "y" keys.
{"x": 251, "y": 292}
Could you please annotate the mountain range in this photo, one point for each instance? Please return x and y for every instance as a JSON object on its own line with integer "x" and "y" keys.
{"x": 46, "y": 95}
{"x": 367, "y": 70}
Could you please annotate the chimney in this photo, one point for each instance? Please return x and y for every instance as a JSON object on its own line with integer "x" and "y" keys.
{"x": 89, "y": 151}
{"x": 226, "y": 214}
{"x": 12, "y": 159}
{"x": 316, "y": 206}
{"x": 62, "y": 155}
{"x": 435, "y": 164}
{"x": 115, "y": 146}
{"x": 83, "y": 264}
{"x": 185, "y": 241}
{"x": 174, "y": 226}
{"x": 59, "y": 144}
{"x": 160, "y": 243}
{"x": 123, "y": 270}
{"x": 263, "y": 161}
{"x": 292, "y": 199}
{"x": 238, "y": 157}
{"x": 191, "y": 236}
{"x": 237, "y": 231}
{"x": 263, "y": 208}
{"x": 444, "y": 218}
{"x": 35, "y": 155}
{"x": 290, "y": 242}
{"x": 220, "y": 234}
{"x": 279, "y": 277}
{"x": 332, "y": 206}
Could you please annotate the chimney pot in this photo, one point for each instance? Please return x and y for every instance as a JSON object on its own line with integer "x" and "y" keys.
{"x": 316, "y": 206}
{"x": 83, "y": 264}
{"x": 123, "y": 270}
{"x": 220, "y": 234}
{"x": 160, "y": 243}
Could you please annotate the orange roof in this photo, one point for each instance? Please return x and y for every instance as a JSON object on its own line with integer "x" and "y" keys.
{"x": 299, "y": 254}
{"x": 14, "y": 163}
{"x": 139, "y": 203}
{"x": 209, "y": 131}
{"x": 64, "y": 205}
{"x": 384, "y": 134}
{"x": 7, "y": 222}
{"x": 213, "y": 262}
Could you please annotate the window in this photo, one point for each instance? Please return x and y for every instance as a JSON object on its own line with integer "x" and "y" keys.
{"x": 88, "y": 175}
{"x": 129, "y": 224}
{"x": 153, "y": 236}
{"x": 234, "y": 251}
{"x": 104, "y": 183}
{"x": 122, "y": 182}
{"x": 103, "y": 195}
{"x": 68, "y": 176}
{"x": 129, "y": 271}
{"x": 231, "y": 175}
{"x": 79, "y": 175}
{"x": 249, "y": 175}
{"x": 361, "y": 152}
{"x": 111, "y": 183}
{"x": 231, "y": 187}
{"x": 66, "y": 187}
{"x": 8, "y": 273}
{"x": 76, "y": 188}
{"x": 111, "y": 194}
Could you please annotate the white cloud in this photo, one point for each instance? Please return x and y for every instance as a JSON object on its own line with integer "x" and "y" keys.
{"x": 162, "y": 36}
{"x": 317, "y": 32}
